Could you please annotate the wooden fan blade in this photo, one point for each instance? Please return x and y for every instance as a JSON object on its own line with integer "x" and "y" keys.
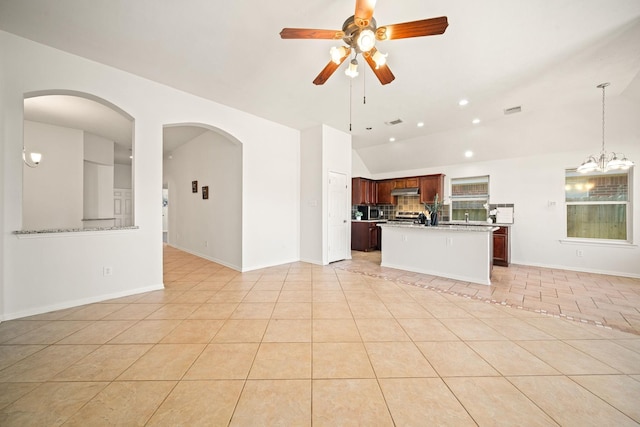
{"x": 425, "y": 27}
{"x": 383, "y": 73}
{"x": 329, "y": 69}
{"x": 310, "y": 33}
{"x": 364, "y": 12}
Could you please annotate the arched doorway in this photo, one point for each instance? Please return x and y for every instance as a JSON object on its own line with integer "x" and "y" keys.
{"x": 202, "y": 176}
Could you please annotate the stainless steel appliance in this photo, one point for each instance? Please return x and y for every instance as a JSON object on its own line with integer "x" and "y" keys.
{"x": 369, "y": 212}
{"x": 411, "y": 217}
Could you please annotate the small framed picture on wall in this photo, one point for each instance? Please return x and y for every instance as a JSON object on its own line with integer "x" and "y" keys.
{"x": 194, "y": 186}
{"x": 205, "y": 192}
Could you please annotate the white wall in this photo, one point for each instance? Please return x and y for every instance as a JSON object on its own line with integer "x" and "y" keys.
{"x": 98, "y": 177}
{"x": 56, "y": 271}
{"x": 97, "y": 191}
{"x": 122, "y": 176}
{"x": 312, "y": 205}
{"x": 98, "y": 149}
{"x": 270, "y": 195}
{"x": 210, "y": 228}
{"x": 323, "y": 150}
{"x": 52, "y": 192}
{"x": 359, "y": 169}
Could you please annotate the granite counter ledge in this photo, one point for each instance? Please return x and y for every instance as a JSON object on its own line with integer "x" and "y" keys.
{"x": 459, "y": 227}
{"x": 67, "y": 231}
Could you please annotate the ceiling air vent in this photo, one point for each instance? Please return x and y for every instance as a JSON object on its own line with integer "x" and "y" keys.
{"x": 393, "y": 122}
{"x": 512, "y": 110}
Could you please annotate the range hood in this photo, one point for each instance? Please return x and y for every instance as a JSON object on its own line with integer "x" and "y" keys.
{"x": 412, "y": 191}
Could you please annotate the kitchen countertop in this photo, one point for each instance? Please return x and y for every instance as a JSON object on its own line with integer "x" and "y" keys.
{"x": 475, "y": 223}
{"x": 369, "y": 220}
{"x": 457, "y": 227}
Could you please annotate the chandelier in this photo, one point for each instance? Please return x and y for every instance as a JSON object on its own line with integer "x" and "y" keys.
{"x": 604, "y": 162}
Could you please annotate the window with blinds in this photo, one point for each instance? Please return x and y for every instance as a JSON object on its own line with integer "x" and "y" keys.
{"x": 598, "y": 205}
{"x": 470, "y": 196}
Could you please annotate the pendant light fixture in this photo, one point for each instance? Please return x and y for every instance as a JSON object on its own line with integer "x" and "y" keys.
{"x": 604, "y": 162}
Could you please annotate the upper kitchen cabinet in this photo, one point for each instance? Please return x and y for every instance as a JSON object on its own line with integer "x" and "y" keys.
{"x": 406, "y": 183}
{"x": 384, "y": 192}
{"x": 430, "y": 185}
{"x": 364, "y": 191}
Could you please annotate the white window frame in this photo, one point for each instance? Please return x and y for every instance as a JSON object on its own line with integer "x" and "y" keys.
{"x": 469, "y": 180}
{"x": 629, "y": 213}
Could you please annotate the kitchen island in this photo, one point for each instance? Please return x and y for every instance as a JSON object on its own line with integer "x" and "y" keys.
{"x": 453, "y": 251}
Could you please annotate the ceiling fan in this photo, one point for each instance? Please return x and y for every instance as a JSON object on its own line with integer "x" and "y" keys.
{"x": 360, "y": 32}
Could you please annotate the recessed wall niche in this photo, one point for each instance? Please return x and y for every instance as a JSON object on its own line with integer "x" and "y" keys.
{"x": 85, "y": 177}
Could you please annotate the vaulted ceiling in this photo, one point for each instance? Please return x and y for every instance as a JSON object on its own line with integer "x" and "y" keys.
{"x": 497, "y": 54}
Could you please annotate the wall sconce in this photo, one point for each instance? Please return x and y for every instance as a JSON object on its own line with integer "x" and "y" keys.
{"x": 34, "y": 158}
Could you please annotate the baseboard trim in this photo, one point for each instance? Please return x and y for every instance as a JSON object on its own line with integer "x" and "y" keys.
{"x": 78, "y": 302}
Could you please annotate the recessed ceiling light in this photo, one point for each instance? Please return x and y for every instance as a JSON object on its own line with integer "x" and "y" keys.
{"x": 475, "y": 121}
{"x": 392, "y": 139}
{"x": 463, "y": 102}
{"x": 468, "y": 154}
{"x": 420, "y": 124}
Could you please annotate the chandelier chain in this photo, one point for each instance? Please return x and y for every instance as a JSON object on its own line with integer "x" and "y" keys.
{"x": 603, "y": 88}
{"x": 605, "y": 162}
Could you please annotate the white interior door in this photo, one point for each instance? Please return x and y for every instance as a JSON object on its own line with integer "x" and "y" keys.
{"x": 122, "y": 207}
{"x": 339, "y": 226}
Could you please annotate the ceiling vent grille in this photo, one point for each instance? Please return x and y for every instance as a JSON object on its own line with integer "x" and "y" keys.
{"x": 393, "y": 122}
{"x": 512, "y": 110}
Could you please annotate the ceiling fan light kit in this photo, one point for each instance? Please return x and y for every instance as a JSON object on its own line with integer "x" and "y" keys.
{"x": 359, "y": 33}
{"x": 604, "y": 162}
{"x": 352, "y": 71}
{"x": 337, "y": 53}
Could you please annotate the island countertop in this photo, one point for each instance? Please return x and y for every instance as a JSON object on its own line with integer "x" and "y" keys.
{"x": 457, "y": 252}
{"x": 460, "y": 227}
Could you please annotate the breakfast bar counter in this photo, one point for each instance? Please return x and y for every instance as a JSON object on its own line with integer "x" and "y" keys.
{"x": 457, "y": 252}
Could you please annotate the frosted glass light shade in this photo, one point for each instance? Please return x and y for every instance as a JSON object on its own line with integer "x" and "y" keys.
{"x": 366, "y": 40}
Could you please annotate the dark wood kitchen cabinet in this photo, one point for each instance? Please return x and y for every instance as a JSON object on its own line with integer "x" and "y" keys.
{"x": 364, "y": 236}
{"x": 384, "y": 192}
{"x": 406, "y": 182}
{"x": 501, "y": 250}
{"x": 364, "y": 191}
{"x": 430, "y": 185}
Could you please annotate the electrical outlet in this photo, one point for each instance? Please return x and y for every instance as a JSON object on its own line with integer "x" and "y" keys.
{"x": 107, "y": 271}
{"x": 206, "y": 243}
{"x": 579, "y": 253}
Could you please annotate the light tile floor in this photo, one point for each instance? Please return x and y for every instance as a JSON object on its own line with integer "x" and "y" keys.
{"x": 598, "y": 299}
{"x": 300, "y": 345}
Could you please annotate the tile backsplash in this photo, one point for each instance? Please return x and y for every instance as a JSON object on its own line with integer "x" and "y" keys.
{"x": 409, "y": 204}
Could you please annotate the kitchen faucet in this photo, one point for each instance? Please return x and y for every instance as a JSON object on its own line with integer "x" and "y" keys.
{"x": 466, "y": 217}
